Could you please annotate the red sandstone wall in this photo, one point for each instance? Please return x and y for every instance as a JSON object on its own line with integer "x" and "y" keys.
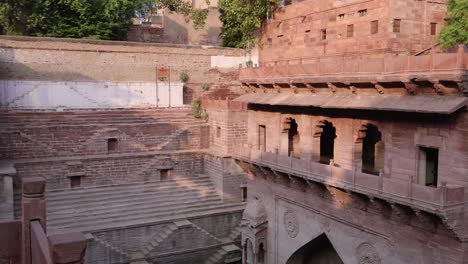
{"x": 57, "y": 146}
{"x": 50, "y": 134}
{"x": 106, "y": 170}
{"x": 294, "y": 34}
{"x": 89, "y": 60}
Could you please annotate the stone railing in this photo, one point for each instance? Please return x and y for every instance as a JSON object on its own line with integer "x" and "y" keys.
{"x": 26, "y": 241}
{"x": 352, "y": 66}
{"x": 397, "y": 190}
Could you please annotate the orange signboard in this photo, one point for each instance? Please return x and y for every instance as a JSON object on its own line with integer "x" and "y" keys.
{"x": 162, "y": 73}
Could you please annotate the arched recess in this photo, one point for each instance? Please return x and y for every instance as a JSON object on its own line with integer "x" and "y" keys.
{"x": 369, "y": 150}
{"x": 318, "y": 251}
{"x": 261, "y": 254}
{"x": 249, "y": 255}
{"x": 254, "y": 231}
{"x": 290, "y": 127}
{"x": 324, "y": 142}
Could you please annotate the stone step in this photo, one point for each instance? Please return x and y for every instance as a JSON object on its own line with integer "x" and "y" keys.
{"x": 106, "y": 199}
{"x": 113, "y": 194}
{"x": 121, "y": 188}
{"x": 132, "y": 212}
{"x": 122, "y": 204}
{"x": 141, "y": 219}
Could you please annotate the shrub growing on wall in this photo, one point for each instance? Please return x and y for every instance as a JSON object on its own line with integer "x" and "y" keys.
{"x": 242, "y": 19}
{"x": 184, "y": 77}
{"x": 196, "y": 108}
{"x": 456, "y": 29}
{"x": 94, "y": 19}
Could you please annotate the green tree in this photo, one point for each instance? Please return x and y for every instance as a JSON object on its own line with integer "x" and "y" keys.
{"x": 242, "y": 20}
{"x": 97, "y": 19}
{"x": 455, "y": 30}
{"x": 197, "y": 16}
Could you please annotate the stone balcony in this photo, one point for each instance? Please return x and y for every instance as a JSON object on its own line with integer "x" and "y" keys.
{"x": 443, "y": 200}
{"x": 434, "y": 67}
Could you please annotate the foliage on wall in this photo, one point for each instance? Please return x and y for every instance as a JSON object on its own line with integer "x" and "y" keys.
{"x": 242, "y": 19}
{"x": 94, "y": 19}
{"x": 456, "y": 29}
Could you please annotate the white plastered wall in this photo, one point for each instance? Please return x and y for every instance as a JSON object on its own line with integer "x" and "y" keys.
{"x": 73, "y": 94}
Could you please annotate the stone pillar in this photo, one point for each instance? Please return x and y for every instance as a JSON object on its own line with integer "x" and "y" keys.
{"x": 67, "y": 248}
{"x": 6, "y": 198}
{"x": 34, "y": 208}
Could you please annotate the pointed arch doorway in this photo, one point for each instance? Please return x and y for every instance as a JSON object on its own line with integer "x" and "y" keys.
{"x": 318, "y": 251}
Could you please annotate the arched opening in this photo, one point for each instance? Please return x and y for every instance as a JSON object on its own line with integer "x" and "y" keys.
{"x": 248, "y": 252}
{"x": 318, "y": 251}
{"x": 293, "y": 138}
{"x": 372, "y": 150}
{"x": 261, "y": 254}
{"x": 327, "y": 142}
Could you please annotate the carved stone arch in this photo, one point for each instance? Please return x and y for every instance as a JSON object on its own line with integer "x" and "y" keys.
{"x": 254, "y": 229}
{"x": 261, "y": 253}
{"x": 324, "y": 135}
{"x": 369, "y": 149}
{"x": 318, "y": 250}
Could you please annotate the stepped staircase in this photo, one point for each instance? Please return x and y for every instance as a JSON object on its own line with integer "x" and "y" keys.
{"x": 159, "y": 238}
{"x": 107, "y": 207}
{"x": 118, "y": 255}
{"x": 221, "y": 253}
{"x": 182, "y": 115}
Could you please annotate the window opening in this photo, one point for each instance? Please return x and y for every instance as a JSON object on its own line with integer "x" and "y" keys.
{"x": 433, "y": 28}
{"x": 396, "y": 25}
{"x": 428, "y": 166}
{"x": 293, "y": 138}
{"x": 374, "y": 27}
{"x": 164, "y": 175}
{"x": 327, "y": 142}
{"x": 112, "y": 144}
{"x": 323, "y": 34}
{"x": 262, "y": 138}
{"x": 372, "y": 151}
{"x": 244, "y": 194}
{"x": 350, "y": 31}
{"x": 75, "y": 181}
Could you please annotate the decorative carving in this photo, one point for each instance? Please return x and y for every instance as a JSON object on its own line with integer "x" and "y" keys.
{"x": 367, "y": 254}
{"x": 332, "y": 87}
{"x": 411, "y": 87}
{"x": 380, "y": 89}
{"x": 297, "y": 183}
{"x": 290, "y": 223}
